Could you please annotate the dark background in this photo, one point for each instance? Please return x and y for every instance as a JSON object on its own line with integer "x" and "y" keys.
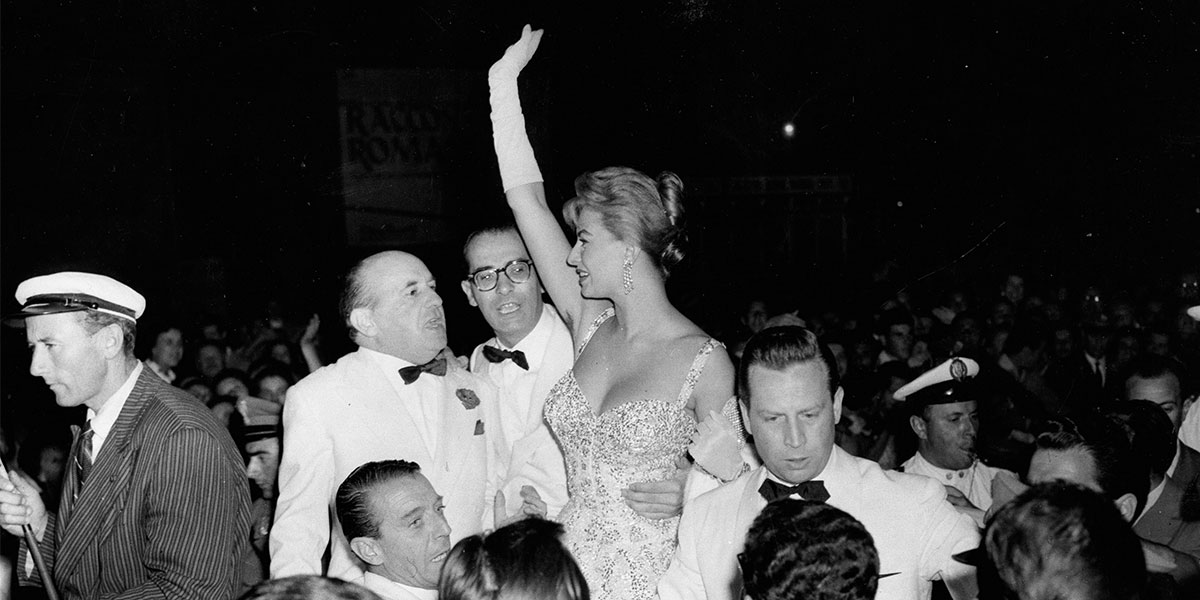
{"x": 191, "y": 148}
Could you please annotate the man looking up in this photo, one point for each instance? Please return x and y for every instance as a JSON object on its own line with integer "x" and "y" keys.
{"x": 155, "y": 502}
{"x": 790, "y": 402}
{"x": 945, "y": 418}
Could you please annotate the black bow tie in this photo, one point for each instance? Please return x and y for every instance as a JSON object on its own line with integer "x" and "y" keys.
{"x": 436, "y": 366}
{"x": 497, "y": 355}
{"x": 809, "y": 490}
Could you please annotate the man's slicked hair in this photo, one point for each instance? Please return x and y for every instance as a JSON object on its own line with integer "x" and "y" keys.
{"x": 495, "y": 229}
{"x": 781, "y": 348}
{"x": 1106, "y": 439}
{"x": 354, "y": 295}
{"x": 1059, "y": 540}
{"x": 353, "y": 501}
{"x": 811, "y": 550}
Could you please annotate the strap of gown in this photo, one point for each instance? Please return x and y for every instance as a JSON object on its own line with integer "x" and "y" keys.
{"x": 587, "y": 337}
{"x": 693, "y": 374}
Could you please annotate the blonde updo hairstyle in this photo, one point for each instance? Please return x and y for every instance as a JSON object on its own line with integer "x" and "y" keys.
{"x": 636, "y": 209}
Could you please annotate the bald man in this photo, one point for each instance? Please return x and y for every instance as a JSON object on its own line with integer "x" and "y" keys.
{"x": 393, "y": 398}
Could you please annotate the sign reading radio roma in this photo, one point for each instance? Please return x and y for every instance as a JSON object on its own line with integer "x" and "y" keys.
{"x": 399, "y": 129}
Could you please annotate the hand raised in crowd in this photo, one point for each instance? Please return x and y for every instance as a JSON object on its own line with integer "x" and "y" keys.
{"x": 310, "y": 331}
{"x": 517, "y": 55}
{"x": 21, "y": 503}
{"x": 659, "y": 499}
{"x": 531, "y": 506}
{"x": 715, "y": 447}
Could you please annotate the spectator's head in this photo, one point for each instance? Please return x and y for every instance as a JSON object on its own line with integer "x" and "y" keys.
{"x": 199, "y": 388}
{"x": 232, "y": 383}
{"x": 1064, "y": 342}
{"x": 811, "y": 550}
{"x": 1092, "y": 451}
{"x": 393, "y": 519}
{"x": 1159, "y": 380}
{"x": 1025, "y": 347}
{"x": 838, "y": 350}
{"x": 944, "y": 413}
{"x": 272, "y": 382}
{"x": 1096, "y": 336}
{"x": 1059, "y": 540}
{"x": 755, "y": 317}
{"x": 308, "y": 587}
{"x": 522, "y": 561}
{"x": 1014, "y": 289}
{"x": 223, "y": 408}
{"x": 1151, "y": 438}
{"x": 896, "y": 327}
{"x": 968, "y": 334}
{"x": 165, "y": 342}
{"x": 502, "y": 282}
{"x": 791, "y": 399}
{"x": 391, "y": 305}
{"x": 81, "y": 328}
{"x": 1157, "y": 342}
{"x": 210, "y": 358}
{"x": 1004, "y": 313}
{"x": 628, "y": 217}
{"x": 259, "y": 436}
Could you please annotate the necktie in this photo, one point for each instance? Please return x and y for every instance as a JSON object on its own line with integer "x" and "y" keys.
{"x": 497, "y": 355}
{"x": 809, "y": 490}
{"x": 436, "y": 366}
{"x": 83, "y": 456}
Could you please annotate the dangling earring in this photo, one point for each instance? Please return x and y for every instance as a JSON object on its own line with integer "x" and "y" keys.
{"x": 627, "y": 274}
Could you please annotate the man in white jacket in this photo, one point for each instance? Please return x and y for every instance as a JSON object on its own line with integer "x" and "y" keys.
{"x": 790, "y": 401}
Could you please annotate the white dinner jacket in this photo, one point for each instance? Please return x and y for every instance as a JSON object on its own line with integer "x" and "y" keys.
{"x": 347, "y": 414}
{"x": 915, "y": 531}
{"x": 534, "y": 458}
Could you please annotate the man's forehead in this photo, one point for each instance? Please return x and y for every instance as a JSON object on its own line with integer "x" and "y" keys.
{"x": 950, "y": 408}
{"x": 783, "y": 386}
{"x": 495, "y": 249}
{"x": 56, "y": 325}
{"x": 1157, "y": 389}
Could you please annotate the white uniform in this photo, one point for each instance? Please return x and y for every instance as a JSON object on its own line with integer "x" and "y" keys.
{"x": 975, "y": 482}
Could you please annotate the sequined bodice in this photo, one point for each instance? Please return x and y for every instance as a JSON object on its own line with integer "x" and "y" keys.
{"x": 621, "y": 553}
{"x": 639, "y": 440}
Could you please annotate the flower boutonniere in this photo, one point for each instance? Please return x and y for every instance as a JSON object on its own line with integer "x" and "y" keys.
{"x": 467, "y": 397}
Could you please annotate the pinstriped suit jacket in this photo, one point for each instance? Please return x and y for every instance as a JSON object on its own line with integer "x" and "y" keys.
{"x": 165, "y": 512}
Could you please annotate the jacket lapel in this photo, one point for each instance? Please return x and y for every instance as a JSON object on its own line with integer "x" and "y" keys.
{"x": 90, "y": 519}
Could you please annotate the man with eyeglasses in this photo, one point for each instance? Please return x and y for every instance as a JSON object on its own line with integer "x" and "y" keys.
{"x": 530, "y": 352}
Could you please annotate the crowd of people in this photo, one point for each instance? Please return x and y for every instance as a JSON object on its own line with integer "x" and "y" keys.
{"x": 601, "y": 444}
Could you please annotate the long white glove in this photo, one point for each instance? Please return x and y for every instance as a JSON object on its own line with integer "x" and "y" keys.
{"x": 518, "y": 166}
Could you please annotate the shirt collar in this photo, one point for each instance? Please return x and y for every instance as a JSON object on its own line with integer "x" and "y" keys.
{"x": 533, "y": 345}
{"x": 383, "y": 585}
{"x": 103, "y": 420}
{"x": 921, "y": 463}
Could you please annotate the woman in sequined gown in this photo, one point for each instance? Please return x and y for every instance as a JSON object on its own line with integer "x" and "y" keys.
{"x": 643, "y": 372}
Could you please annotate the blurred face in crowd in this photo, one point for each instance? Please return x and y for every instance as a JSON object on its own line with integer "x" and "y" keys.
{"x": 1189, "y": 287}
{"x": 1164, "y": 391}
{"x": 202, "y": 392}
{"x": 223, "y": 411}
{"x": 755, "y": 318}
{"x": 282, "y": 353}
{"x": 273, "y": 388}
{"x": 1158, "y": 344}
{"x": 72, "y": 362}
{"x": 263, "y": 465}
{"x": 1002, "y": 313}
{"x": 1014, "y": 289}
{"x": 839, "y": 355}
{"x": 1095, "y": 342}
{"x": 1064, "y": 343}
{"x": 598, "y": 257}
{"x": 899, "y": 341}
{"x": 512, "y": 310}
{"x": 792, "y": 415}
{"x": 51, "y": 464}
{"x": 968, "y": 333}
{"x": 210, "y": 360}
{"x": 946, "y": 434}
{"x": 414, "y": 537}
{"x": 404, "y": 317}
{"x": 232, "y": 386}
{"x": 168, "y": 348}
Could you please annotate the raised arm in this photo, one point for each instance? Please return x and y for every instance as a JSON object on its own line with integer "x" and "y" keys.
{"x": 522, "y": 180}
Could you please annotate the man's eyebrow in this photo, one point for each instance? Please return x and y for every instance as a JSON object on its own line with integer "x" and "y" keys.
{"x": 413, "y": 513}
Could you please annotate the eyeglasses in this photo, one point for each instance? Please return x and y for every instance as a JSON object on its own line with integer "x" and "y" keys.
{"x": 517, "y": 271}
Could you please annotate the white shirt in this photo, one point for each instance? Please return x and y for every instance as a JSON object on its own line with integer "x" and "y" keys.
{"x": 519, "y": 415}
{"x": 975, "y": 482}
{"x": 427, "y": 390}
{"x": 393, "y": 590}
{"x": 102, "y": 422}
{"x": 1189, "y": 431}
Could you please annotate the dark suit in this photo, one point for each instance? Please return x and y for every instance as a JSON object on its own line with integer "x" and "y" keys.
{"x": 164, "y": 512}
{"x": 1075, "y": 383}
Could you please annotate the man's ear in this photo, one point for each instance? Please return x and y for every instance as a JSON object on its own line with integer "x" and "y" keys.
{"x": 362, "y": 321}
{"x": 1127, "y": 506}
{"x": 918, "y": 426}
{"x": 838, "y": 395}
{"x": 367, "y": 550}
{"x": 111, "y": 339}
{"x": 466, "y": 288}
{"x": 1188, "y": 403}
